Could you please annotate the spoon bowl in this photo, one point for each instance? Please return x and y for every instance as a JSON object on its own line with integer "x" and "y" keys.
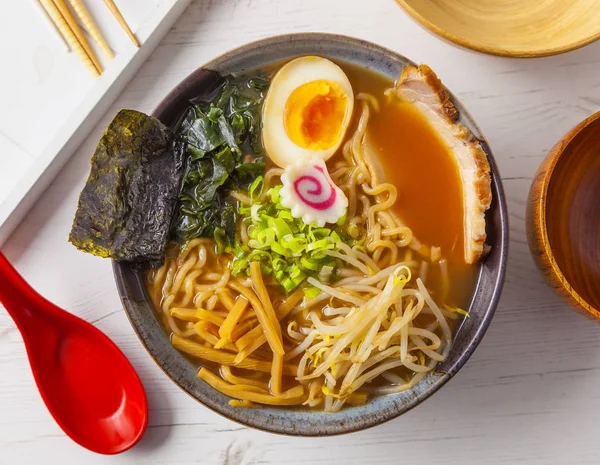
{"x": 88, "y": 385}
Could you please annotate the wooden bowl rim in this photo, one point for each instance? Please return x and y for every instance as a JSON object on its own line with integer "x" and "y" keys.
{"x": 498, "y": 51}
{"x": 540, "y": 211}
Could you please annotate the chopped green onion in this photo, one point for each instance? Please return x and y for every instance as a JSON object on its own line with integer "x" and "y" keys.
{"x": 309, "y": 264}
{"x": 312, "y": 292}
{"x": 254, "y": 212}
{"x": 296, "y": 244}
{"x": 277, "y": 248}
{"x": 326, "y": 273}
{"x": 280, "y": 227}
{"x": 321, "y": 244}
{"x": 286, "y": 247}
{"x": 256, "y": 189}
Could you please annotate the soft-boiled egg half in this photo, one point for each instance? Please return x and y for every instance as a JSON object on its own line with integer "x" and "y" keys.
{"x": 307, "y": 110}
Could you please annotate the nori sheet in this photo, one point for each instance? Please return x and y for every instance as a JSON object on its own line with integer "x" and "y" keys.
{"x": 128, "y": 202}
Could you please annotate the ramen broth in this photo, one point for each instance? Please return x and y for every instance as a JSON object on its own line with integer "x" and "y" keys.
{"x": 430, "y": 194}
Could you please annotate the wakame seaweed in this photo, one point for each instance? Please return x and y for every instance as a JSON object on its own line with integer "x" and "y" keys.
{"x": 126, "y": 208}
{"x": 224, "y": 152}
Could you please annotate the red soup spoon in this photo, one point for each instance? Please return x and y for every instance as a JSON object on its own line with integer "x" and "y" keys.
{"x": 89, "y": 386}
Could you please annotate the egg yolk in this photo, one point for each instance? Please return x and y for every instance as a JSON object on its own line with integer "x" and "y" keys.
{"x": 314, "y": 114}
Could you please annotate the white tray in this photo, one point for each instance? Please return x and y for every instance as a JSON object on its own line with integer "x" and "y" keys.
{"x": 48, "y": 101}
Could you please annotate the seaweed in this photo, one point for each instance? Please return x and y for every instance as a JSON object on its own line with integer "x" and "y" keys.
{"x": 126, "y": 208}
{"x": 224, "y": 153}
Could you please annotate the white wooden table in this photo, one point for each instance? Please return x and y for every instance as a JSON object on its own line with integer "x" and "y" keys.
{"x": 530, "y": 394}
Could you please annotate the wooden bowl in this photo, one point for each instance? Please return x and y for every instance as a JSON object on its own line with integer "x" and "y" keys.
{"x": 517, "y": 28}
{"x": 563, "y": 217}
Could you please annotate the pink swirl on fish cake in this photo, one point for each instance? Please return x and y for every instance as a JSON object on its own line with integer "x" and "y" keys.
{"x": 316, "y": 191}
{"x": 310, "y": 193}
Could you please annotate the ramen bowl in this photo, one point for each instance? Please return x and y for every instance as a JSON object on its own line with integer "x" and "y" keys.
{"x": 563, "y": 217}
{"x": 145, "y": 320}
{"x": 527, "y": 28}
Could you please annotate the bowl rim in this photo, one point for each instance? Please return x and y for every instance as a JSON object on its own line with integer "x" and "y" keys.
{"x": 543, "y": 179}
{"x": 439, "y": 378}
{"x": 498, "y": 51}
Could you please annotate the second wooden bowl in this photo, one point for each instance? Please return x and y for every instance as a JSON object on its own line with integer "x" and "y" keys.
{"x": 563, "y": 217}
{"x": 520, "y": 28}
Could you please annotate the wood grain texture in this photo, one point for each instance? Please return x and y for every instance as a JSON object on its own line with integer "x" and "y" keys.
{"x": 526, "y": 28}
{"x": 563, "y": 217}
{"x": 528, "y": 395}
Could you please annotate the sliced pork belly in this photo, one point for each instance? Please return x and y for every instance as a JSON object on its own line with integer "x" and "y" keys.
{"x": 421, "y": 87}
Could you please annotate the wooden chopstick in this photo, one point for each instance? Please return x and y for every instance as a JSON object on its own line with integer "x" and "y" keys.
{"x": 69, "y": 36}
{"x": 46, "y": 18}
{"x": 117, "y": 14}
{"x": 89, "y": 23}
{"x": 70, "y": 19}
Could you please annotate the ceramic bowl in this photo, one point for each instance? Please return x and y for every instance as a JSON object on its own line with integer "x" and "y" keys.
{"x": 563, "y": 217}
{"x": 525, "y": 28}
{"x": 302, "y": 422}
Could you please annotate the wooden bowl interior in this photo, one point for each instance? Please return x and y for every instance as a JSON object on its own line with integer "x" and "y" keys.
{"x": 573, "y": 213}
{"x": 511, "y": 27}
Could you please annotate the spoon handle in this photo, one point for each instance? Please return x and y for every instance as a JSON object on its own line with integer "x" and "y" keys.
{"x": 16, "y": 295}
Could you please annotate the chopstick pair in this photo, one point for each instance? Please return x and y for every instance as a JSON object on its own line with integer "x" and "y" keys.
{"x": 63, "y": 20}
{"x": 72, "y": 23}
{"x": 56, "y": 10}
